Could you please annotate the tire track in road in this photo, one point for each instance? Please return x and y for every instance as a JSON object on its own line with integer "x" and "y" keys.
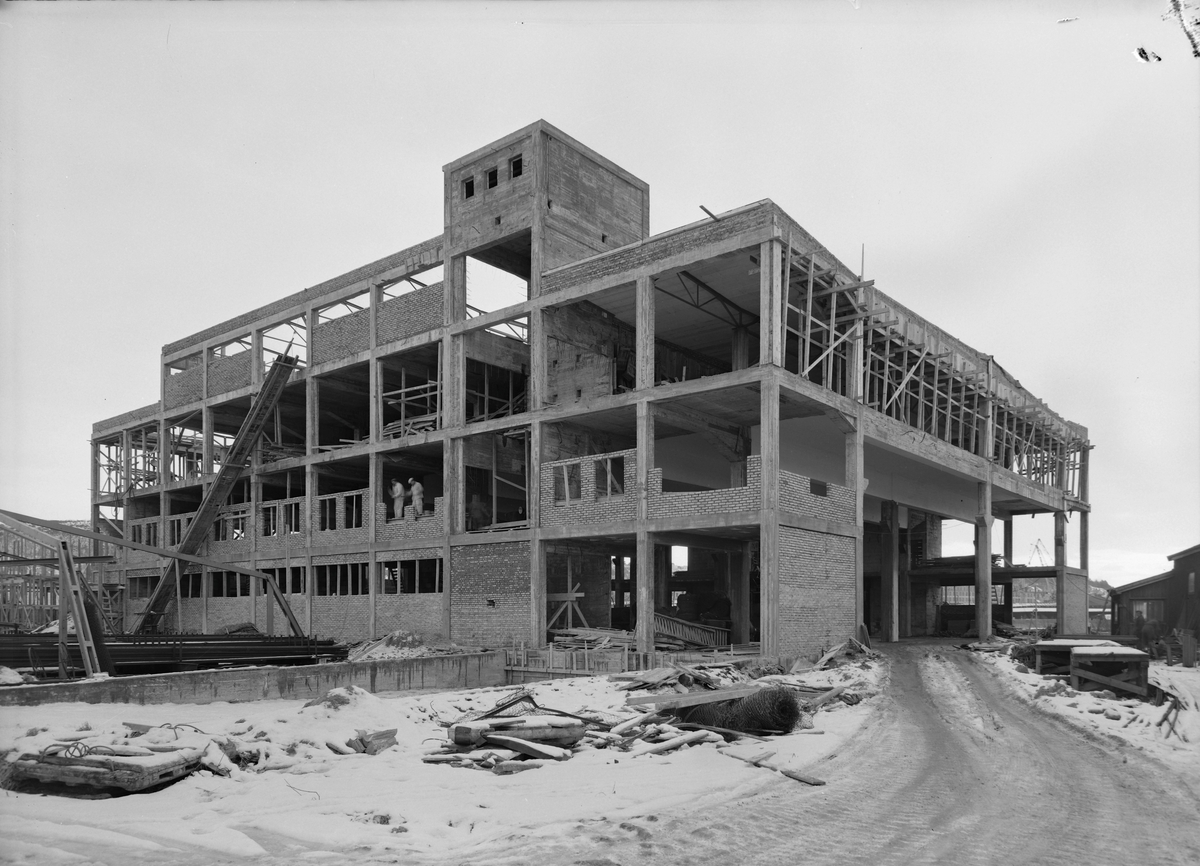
{"x": 952, "y": 769}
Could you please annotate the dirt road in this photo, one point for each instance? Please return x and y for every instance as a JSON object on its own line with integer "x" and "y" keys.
{"x": 951, "y": 770}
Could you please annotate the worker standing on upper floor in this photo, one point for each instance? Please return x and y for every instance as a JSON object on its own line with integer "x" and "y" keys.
{"x": 417, "y": 489}
{"x": 396, "y": 491}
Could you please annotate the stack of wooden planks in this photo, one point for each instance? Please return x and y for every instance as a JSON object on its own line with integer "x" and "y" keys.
{"x": 508, "y": 744}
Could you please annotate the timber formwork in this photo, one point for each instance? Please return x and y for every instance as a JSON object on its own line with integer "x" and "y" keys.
{"x": 728, "y": 386}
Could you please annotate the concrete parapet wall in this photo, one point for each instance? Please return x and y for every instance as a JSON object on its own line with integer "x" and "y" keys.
{"x": 469, "y": 670}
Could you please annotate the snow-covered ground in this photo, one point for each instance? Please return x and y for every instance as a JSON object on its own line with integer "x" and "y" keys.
{"x": 302, "y": 800}
{"x": 1134, "y": 721}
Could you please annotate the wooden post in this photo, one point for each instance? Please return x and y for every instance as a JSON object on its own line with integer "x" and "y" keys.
{"x": 769, "y": 516}
{"x": 904, "y": 589}
{"x": 1083, "y": 541}
{"x": 983, "y": 558}
{"x": 889, "y": 572}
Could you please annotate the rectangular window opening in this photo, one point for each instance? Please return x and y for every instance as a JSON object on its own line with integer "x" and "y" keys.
{"x": 515, "y": 166}
{"x": 469, "y": 188}
{"x": 493, "y": 177}
{"x": 610, "y": 476}
{"x": 818, "y": 488}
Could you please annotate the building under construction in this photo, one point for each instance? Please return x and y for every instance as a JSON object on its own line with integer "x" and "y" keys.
{"x": 506, "y": 428}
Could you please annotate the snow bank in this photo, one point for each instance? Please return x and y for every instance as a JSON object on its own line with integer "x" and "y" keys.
{"x": 297, "y": 795}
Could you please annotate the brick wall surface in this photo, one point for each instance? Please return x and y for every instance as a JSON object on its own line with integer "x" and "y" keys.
{"x": 496, "y": 572}
{"x": 660, "y": 247}
{"x": 795, "y": 494}
{"x": 589, "y": 508}
{"x": 428, "y": 525}
{"x": 228, "y": 611}
{"x": 228, "y": 374}
{"x": 184, "y": 387}
{"x": 341, "y": 337}
{"x": 816, "y": 591}
{"x": 285, "y": 542}
{"x": 126, "y": 419}
{"x": 193, "y": 622}
{"x": 341, "y": 617}
{"x": 420, "y": 613}
{"x": 707, "y": 501}
{"x": 411, "y": 313}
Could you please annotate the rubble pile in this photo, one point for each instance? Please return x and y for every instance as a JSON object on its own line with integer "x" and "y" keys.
{"x": 681, "y": 707}
{"x": 399, "y": 644}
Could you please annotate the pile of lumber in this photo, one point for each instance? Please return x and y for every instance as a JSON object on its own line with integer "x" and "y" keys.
{"x": 680, "y": 677}
{"x": 593, "y": 639}
{"x": 512, "y": 744}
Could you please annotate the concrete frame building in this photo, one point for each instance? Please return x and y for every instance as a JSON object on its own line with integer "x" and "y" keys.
{"x": 728, "y": 386}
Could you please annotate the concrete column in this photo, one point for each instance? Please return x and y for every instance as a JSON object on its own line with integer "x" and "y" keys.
{"x": 374, "y": 495}
{"x": 645, "y": 542}
{"x": 904, "y": 589}
{"x": 1008, "y": 541}
{"x": 537, "y": 555}
{"x": 769, "y": 515}
{"x": 770, "y": 297}
{"x": 645, "y": 324}
{"x": 644, "y": 630}
{"x": 537, "y": 358}
{"x": 889, "y": 572}
{"x": 983, "y": 560}
{"x": 537, "y": 592}
{"x": 855, "y": 481}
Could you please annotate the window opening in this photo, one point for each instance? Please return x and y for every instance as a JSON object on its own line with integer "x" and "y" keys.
{"x": 1149, "y": 609}
{"x": 347, "y": 578}
{"x": 515, "y": 166}
{"x": 818, "y": 488}
{"x": 142, "y": 587}
{"x": 336, "y": 310}
{"x": 327, "y": 514}
{"x": 610, "y": 476}
{"x": 354, "y": 511}
{"x": 410, "y": 577}
{"x": 184, "y": 364}
{"x": 276, "y": 339}
{"x": 291, "y": 517}
{"x": 270, "y": 521}
{"x": 493, "y": 178}
{"x": 403, "y": 285}
{"x": 566, "y": 483}
{"x": 468, "y": 186}
{"x": 228, "y": 350}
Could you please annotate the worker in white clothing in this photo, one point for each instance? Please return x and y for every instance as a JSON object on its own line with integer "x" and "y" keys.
{"x": 396, "y": 491}
{"x": 417, "y": 490}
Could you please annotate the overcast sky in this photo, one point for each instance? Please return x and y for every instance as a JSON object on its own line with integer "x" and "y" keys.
{"x": 1025, "y": 184}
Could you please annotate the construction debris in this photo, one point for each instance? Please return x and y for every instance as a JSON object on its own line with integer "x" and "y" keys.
{"x": 757, "y": 761}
